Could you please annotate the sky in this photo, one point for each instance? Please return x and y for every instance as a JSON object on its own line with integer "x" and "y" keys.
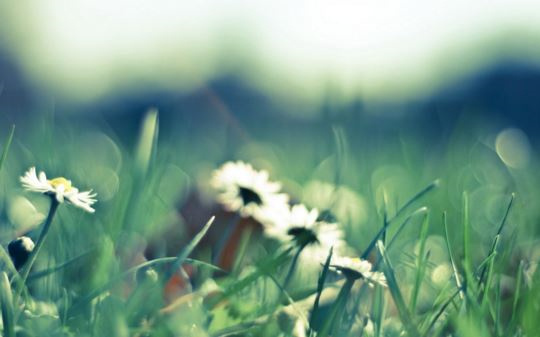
{"x": 90, "y": 48}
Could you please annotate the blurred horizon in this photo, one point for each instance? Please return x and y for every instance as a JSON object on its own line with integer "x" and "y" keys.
{"x": 86, "y": 52}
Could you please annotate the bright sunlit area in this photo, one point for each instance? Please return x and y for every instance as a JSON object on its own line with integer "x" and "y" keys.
{"x": 249, "y": 168}
{"x": 83, "y": 50}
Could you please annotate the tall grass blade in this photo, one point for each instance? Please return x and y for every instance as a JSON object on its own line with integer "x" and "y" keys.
{"x": 498, "y": 306}
{"x": 441, "y": 311}
{"x": 184, "y": 253}
{"x": 379, "y": 235}
{"x": 517, "y": 294}
{"x": 6, "y": 297}
{"x": 496, "y": 239}
{"x": 451, "y": 256}
{"x": 42, "y": 273}
{"x": 341, "y": 154}
{"x": 401, "y": 227}
{"x": 147, "y": 141}
{"x": 487, "y": 285}
{"x": 320, "y": 288}
{"x": 420, "y": 263}
{"x": 467, "y": 258}
{"x": 336, "y": 312}
{"x": 379, "y": 310}
{"x": 416, "y": 197}
{"x": 397, "y": 296}
{"x": 7, "y": 145}
{"x": 263, "y": 268}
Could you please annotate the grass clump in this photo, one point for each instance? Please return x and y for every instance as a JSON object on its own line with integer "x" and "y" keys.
{"x": 139, "y": 262}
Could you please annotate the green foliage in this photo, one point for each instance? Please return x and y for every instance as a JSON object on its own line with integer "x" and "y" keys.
{"x": 140, "y": 266}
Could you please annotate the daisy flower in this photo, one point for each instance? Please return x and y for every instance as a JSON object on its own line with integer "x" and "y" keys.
{"x": 354, "y": 268}
{"x": 60, "y": 188}
{"x": 247, "y": 191}
{"x": 302, "y": 226}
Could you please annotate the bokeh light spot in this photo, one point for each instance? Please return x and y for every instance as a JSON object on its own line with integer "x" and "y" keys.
{"x": 512, "y": 146}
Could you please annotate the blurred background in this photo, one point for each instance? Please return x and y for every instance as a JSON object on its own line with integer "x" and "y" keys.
{"x": 376, "y": 97}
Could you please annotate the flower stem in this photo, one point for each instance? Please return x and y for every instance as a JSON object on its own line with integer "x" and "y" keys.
{"x": 26, "y": 268}
{"x": 294, "y": 262}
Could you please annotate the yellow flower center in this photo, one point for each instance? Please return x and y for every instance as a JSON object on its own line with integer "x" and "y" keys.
{"x": 61, "y": 181}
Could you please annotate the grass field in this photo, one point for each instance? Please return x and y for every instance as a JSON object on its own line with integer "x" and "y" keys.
{"x": 388, "y": 237}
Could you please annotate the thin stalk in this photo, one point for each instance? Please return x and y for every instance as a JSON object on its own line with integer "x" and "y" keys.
{"x": 495, "y": 243}
{"x": 42, "y": 273}
{"x": 264, "y": 268}
{"x": 6, "y": 304}
{"x": 517, "y": 293}
{"x": 421, "y": 262}
{"x": 441, "y": 311}
{"x": 498, "y": 307}
{"x": 336, "y": 311}
{"x": 452, "y": 261}
{"x": 378, "y": 236}
{"x": 37, "y": 248}
{"x": 417, "y": 196}
{"x": 320, "y": 288}
{"x": 294, "y": 262}
{"x": 467, "y": 257}
{"x": 6, "y": 146}
{"x": 397, "y": 296}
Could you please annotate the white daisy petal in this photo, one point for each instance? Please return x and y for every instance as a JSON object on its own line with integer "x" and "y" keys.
{"x": 31, "y": 182}
{"x": 60, "y": 193}
{"x": 356, "y": 267}
{"x": 60, "y": 188}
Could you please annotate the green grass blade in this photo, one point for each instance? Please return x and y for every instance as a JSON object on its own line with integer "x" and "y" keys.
{"x": 498, "y": 306}
{"x": 420, "y": 263}
{"x": 42, "y": 273}
{"x": 184, "y": 253}
{"x": 341, "y": 154}
{"x": 379, "y": 235}
{"x": 7, "y": 145}
{"x": 6, "y": 263}
{"x": 397, "y": 296}
{"x": 289, "y": 299}
{"x": 451, "y": 256}
{"x": 517, "y": 294}
{"x": 487, "y": 285}
{"x": 242, "y": 249}
{"x": 388, "y": 222}
{"x": 419, "y": 211}
{"x": 379, "y": 310}
{"x": 6, "y": 297}
{"x": 441, "y": 311}
{"x": 467, "y": 258}
{"x": 496, "y": 239}
{"x": 337, "y": 309}
{"x": 416, "y": 197}
{"x": 263, "y": 268}
{"x": 320, "y": 287}
{"x": 147, "y": 141}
